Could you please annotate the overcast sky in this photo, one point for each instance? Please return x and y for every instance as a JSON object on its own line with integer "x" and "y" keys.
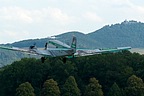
{"x": 25, "y": 19}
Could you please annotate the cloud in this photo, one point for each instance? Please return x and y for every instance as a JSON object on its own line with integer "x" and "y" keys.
{"x": 36, "y": 15}
{"x": 8, "y": 36}
{"x": 91, "y": 16}
{"x": 52, "y": 17}
{"x": 140, "y": 9}
{"x": 19, "y": 23}
{"x": 57, "y": 15}
{"x": 15, "y": 14}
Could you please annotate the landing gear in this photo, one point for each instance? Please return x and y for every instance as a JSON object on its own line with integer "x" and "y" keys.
{"x": 64, "y": 60}
{"x": 43, "y": 59}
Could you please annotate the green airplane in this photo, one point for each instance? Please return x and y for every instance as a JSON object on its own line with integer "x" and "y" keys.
{"x": 63, "y": 50}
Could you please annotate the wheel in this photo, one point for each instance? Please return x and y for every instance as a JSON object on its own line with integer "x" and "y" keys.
{"x": 43, "y": 59}
{"x": 64, "y": 60}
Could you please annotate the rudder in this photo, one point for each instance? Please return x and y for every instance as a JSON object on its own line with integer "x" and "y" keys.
{"x": 74, "y": 42}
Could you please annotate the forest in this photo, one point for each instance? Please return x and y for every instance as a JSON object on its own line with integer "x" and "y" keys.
{"x": 111, "y": 74}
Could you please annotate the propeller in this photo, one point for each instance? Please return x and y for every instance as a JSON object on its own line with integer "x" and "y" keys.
{"x": 33, "y": 46}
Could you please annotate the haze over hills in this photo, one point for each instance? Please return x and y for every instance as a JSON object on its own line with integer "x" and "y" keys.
{"x": 127, "y": 33}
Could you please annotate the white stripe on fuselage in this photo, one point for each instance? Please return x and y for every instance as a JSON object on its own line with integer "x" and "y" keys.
{"x": 59, "y": 44}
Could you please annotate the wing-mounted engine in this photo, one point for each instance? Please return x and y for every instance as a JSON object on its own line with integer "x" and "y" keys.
{"x": 33, "y": 46}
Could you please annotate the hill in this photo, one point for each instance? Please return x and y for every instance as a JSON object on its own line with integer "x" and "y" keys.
{"x": 127, "y": 33}
{"x": 83, "y": 40}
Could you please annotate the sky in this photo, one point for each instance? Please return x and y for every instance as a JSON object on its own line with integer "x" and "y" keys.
{"x": 31, "y": 19}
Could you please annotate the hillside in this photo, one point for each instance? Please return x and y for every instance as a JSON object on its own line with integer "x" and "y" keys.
{"x": 82, "y": 40}
{"x": 127, "y": 33}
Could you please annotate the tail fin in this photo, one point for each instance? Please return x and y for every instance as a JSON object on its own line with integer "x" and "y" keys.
{"x": 73, "y": 45}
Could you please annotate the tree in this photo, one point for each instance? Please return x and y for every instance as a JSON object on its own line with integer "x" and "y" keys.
{"x": 93, "y": 88}
{"x": 115, "y": 90}
{"x": 50, "y": 88}
{"x": 25, "y": 89}
{"x": 71, "y": 88}
{"x": 135, "y": 86}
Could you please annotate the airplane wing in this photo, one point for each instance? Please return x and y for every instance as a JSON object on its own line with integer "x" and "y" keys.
{"x": 86, "y": 52}
{"x": 50, "y": 52}
{"x": 113, "y": 50}
{"x": 18, "y": 49}
{"x": 53, "y": 52}
{"x": 13, "y": 48}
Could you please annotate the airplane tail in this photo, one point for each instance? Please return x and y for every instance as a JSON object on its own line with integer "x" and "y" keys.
{"x": 73, "y": 45}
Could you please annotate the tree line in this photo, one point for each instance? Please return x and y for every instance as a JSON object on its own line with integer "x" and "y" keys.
{"x": 112, "y": 74}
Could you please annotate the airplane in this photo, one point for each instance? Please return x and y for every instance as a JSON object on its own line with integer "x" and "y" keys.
{"x": 64, "y": 50}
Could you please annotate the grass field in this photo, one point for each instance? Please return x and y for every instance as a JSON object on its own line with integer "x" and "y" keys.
{"x": 137, "y": 50}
